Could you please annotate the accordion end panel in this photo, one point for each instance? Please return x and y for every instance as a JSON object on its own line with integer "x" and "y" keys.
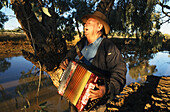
{"x": 77, "y": 84}
{"x": 84, "y": 98}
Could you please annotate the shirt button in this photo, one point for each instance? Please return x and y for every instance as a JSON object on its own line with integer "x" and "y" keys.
{"x": 86, "y": 49}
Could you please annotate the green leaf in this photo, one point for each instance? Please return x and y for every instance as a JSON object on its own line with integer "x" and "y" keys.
{"x": 45, "y": 10}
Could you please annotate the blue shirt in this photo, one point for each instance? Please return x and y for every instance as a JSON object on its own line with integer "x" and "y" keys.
{"x": 89, "y": 51}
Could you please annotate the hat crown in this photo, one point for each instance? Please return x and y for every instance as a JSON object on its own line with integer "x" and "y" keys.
{"x": 100, "y": 15}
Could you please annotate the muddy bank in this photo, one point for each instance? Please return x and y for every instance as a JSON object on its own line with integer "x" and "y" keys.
{"x": 151, "y": 96}
{"x": 10, "y": 48}
{"x": 13, "y": 44}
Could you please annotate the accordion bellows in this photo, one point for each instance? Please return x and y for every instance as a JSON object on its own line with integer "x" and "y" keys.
{"x": 75, "y": 83}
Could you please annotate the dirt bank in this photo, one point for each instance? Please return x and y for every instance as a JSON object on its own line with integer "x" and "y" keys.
{"x": 10, "y": 48}
{"x": 13, "y": 44}
{"x": 152, "y": 96}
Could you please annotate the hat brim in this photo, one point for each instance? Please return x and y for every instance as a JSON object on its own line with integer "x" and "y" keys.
{"x": 105, "y": 24}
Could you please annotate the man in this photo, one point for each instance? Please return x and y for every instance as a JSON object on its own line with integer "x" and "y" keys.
{"x": 102, "y": 54}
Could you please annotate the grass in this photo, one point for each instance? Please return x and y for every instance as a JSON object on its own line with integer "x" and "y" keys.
{"x": 12, "y": 36}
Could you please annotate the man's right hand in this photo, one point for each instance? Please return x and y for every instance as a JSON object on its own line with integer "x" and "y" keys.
{"x": 64, "y": 64}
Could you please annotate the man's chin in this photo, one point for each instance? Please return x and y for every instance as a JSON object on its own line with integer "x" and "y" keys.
{"x": 86, "y": 34}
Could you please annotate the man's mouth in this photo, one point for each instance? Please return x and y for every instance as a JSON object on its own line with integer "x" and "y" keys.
{"x": 86, "y": 30}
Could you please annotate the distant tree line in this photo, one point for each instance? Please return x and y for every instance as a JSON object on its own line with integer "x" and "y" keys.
{"x": 19, "y": 30}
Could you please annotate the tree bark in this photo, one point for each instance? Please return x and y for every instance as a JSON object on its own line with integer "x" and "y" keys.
{"x": 49, "y": 47}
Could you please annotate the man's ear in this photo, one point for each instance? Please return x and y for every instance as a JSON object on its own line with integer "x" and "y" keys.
{"x": 100, "y": 27}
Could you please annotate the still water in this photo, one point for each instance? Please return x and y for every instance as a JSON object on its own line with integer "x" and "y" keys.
{"x": 19, "y": 82}
{"x": 18, "y": 88}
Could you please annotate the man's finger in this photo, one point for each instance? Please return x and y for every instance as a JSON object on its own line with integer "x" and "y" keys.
{"x": 67, "y": 61}
{"x": 64, "y": 64}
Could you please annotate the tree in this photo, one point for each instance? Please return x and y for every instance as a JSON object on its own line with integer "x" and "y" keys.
{"x": 165, "y": 10}
{"x": 48, "y": 24}
{"x": 165, "y": 7}
{"x": 132, "y": 17}
{"x": 136, "y": 17}
{"x": 3, "y": 17}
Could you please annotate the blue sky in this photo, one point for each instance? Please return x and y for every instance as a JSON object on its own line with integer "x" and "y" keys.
{"x": 13, "y": 23}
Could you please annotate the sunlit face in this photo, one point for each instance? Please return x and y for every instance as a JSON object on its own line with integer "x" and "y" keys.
{"x": 91, "y": 27}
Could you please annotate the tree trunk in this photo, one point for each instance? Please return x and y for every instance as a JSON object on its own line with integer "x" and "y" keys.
{"x": 49, "y": 48}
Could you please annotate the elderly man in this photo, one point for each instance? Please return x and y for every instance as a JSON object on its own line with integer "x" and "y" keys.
{"x": 101, "y": 53}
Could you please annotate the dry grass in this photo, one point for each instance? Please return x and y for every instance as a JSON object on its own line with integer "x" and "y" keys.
{"x": 4, "y": 36}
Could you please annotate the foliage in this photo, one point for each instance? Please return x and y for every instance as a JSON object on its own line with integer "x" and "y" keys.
{"x": 134, "y": 17}
{"x": 156, "y": 40}
{"x": 128, "y": 18}
{"x": 3, "y": 17}
{"x": 167, "y": 36}
{"x": 67, "y": 14}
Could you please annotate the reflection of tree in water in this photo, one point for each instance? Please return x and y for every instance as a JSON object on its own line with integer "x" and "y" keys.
{"x": 138, "y": 63}
{"x": 3, "y": 94}
{"x": 4, "y": 65}
{"x": 29, "y": 81}
{"x": 143, "y": 69}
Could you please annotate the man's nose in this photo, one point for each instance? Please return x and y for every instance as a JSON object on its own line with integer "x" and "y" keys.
{"x": 85, "y": 25}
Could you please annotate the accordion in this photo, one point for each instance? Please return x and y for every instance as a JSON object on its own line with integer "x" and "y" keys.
{"x": 75, "y": 83}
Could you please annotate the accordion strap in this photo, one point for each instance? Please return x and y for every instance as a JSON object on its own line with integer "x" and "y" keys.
{"x": 79, "y": 53}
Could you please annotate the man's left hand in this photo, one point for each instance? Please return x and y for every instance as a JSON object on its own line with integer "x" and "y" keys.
{"x": 94, "y": 94}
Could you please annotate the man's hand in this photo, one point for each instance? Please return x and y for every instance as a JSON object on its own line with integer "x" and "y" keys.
{"x": 94, "y": 94}
{"x": 64, "y": 64}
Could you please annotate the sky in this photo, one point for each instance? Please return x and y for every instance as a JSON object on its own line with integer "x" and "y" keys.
{"x": 12, "y": 23}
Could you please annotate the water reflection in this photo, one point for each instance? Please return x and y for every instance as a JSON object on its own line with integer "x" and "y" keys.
{"x": 139, "y": 65}
{"x": 18, "y": 89}
{"x": 19, "y": 81}
{"x": 4, "y": 64}
{"x": 142, "y": 69}
{"x": 29, "y": 81}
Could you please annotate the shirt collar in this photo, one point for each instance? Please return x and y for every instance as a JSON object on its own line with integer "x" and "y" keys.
{"x": 95, "y": 42}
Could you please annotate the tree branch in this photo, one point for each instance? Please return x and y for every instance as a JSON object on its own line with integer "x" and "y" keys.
{"x": 164, "y": 6}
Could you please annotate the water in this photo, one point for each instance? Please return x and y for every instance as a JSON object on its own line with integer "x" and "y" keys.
{"x": 18, "y": 87}
{"x": 17, "y": 75}
{"x": 17, "y": 65}
{"x": 162, "y": 62}
{"x": 158, "y": 64}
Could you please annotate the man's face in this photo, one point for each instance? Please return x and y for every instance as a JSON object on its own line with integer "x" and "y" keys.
{"x": 91, "y": 27}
